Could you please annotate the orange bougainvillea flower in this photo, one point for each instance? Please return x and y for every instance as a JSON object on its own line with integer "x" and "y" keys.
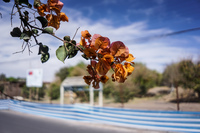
{"x": 83, "y": 42}
{"x": 120, "y": 73}
{"x": 102, "y": 42}
{"x": 91, "y": 71}
{"x": 41, "y": 9}
{"x": 59, "y": 5}
{"x": 103, "y": 57}
{"x": 118, "y": 48}
{"x": 129, "y": 68}
{"x": 130, "y": 58}
{"x": 85, "y": 34}
{"x": 53, "y": 20}
{"x": 94, "y": 80}
{"x": 104, "y": 64}
{"x": 95, "y": 83}
{"x": 55, "y": 9}
{"x": 90, "y": 53}
{"x": 93, "y": 63}
{"x": 63, "y": 17}
{"x": 124, "y": 55}
{"x": 104, "y": 79}
{"x": 55, "y": 3}
{"x": 108, "y": 58}
{"x": 103, "y": 52}
{"x": 88, "y": 79}
{"x": 102, "y": 67}
{"x": 94, "y": 37}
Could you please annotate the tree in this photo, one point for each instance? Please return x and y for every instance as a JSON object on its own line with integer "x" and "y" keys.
{"x": 36, "y": 93}
{"x": 103, "y": 54}
{"x": 190, "y": 75}
{"x": 136, "y": 86}
{"x": 172, "y": 75}
{"x": 184, "y": 73}
{"x": 197, "y": 79}
{"x": 145, "y": 78}
{"x": 63, "y": 73}
{"x": 78, "y": 70}
{"x": 2, "y": 77}
{"x": 54, "y": 91}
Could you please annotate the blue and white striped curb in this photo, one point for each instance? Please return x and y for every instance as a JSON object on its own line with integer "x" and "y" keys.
{"x": 177, "y": 121}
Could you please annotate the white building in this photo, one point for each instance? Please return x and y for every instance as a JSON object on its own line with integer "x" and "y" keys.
{"x": 77, "y": 83}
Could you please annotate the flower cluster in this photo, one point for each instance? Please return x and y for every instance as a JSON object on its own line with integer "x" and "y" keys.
{"x": 104, "y": 56}
{"x": 52, "y": 6}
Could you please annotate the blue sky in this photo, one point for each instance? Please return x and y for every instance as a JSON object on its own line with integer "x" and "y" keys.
{"x": 138, "y": 23}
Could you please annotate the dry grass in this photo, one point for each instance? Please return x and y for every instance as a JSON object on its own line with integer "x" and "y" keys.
{"x": 160, "y": 101}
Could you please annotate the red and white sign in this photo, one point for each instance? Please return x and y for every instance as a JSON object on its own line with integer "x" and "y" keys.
{"x": 34, "y": 78}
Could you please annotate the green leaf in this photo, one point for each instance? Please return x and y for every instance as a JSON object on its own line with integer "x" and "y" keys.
{"x": 74, "y": 42}
{"x": 16, "y": 32}
{"x": 83, "y": 48}
{"x": 72, "y": 50}
{"x": 37, "y": 3}
{"x": 25, "y": 2}
{"x": 35, "y": 31}
{"x": 43, "y": 21}
{"x": 67, "y": 38}
{"x": 26, "y": 17}
{"x": 25, "y": 37}
{"x": 85, "y": 56}
{"x": 45, "y": 57}
{"x": 43, "y": 49}
{"x": 48, "y": 30}
{"x": 7, "y": 1}
{"x": 61, "y": 53}
{"x": 72, "y": 53}
{"x": 28, "y": 32}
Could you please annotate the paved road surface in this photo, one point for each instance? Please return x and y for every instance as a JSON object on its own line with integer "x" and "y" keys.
{"x": 15, "y": 122}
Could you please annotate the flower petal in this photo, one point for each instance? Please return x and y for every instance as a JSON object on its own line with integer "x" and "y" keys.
{"x": 120, "y": 73}
{"x": 102, "y": 67}
{"x": 129, "y": 68}
{"x": 130, "y": 58}
{"x": 118, "y": 48}
{"x": 102, "y": 42}
{"x": 63, "y": 17}
{"x": 85, "y": 34}
{"x": 88, "y": 79}
{"x": 104, "y": 79}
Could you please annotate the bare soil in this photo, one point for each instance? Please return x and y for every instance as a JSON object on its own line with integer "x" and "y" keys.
{"x": 164, "y": 99}
{"x": 158, "y": 98}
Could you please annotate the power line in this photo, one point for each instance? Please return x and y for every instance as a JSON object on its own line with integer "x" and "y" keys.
{"x": 165, "y": 35}
{"x": 20, "y": 60}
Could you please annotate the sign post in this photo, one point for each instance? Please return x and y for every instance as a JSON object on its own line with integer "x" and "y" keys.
{"x": 34, "y": 79}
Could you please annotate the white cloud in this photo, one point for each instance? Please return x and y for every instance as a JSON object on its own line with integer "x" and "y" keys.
{"x": 197, "y": 38}
{"x": 155, "y": 54}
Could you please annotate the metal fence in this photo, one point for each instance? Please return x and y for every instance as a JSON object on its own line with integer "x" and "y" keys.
{"x": 177, "y": 121}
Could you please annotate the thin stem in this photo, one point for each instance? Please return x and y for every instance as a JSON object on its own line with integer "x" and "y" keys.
{"x": 21, "y": 51}
{"x": 12, "y": 14}
{"x": 75, "y": 33}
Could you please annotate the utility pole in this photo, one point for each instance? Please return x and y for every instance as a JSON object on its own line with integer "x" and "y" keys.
{"x": 177, "y": 98}
{"x": 30, "y": 93}
{"x": 121, "y": 96}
